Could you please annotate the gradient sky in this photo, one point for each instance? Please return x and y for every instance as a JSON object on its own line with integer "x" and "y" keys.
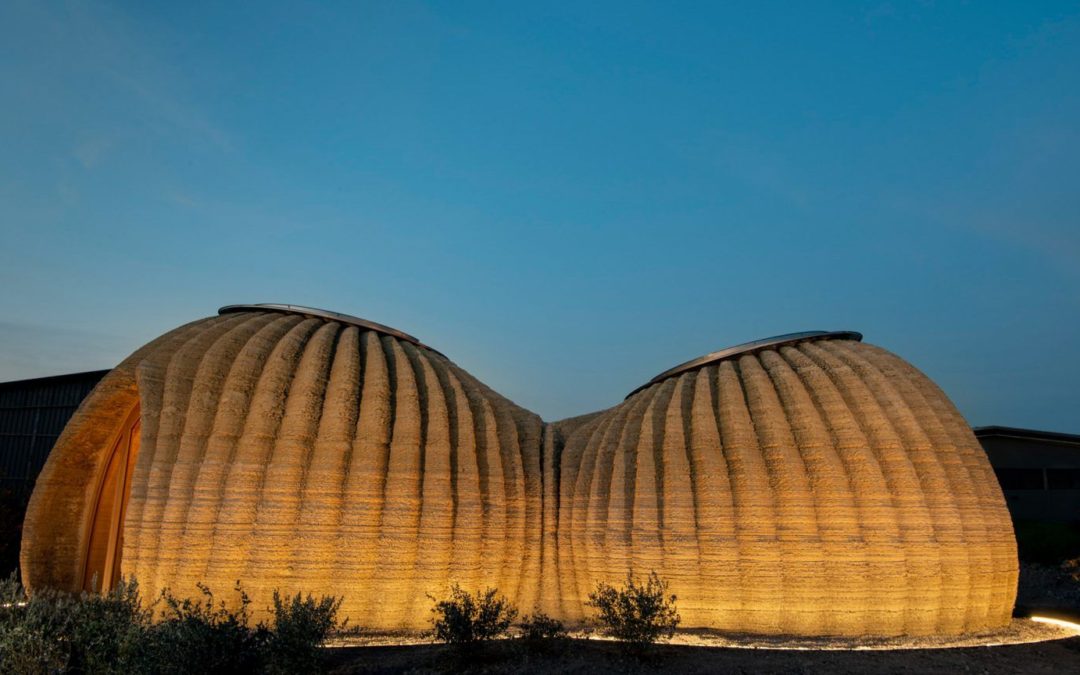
{"x": 564, "y": 198}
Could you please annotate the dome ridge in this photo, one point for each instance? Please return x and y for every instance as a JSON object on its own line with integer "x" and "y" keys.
{"x": 749, "y": 348}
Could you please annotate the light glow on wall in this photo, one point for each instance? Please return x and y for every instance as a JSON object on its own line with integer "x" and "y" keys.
{"x": 808, "y": 485}
{"x": 1018, "y": 632}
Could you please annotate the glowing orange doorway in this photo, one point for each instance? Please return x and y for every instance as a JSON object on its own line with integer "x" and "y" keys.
{"x": 106, "y": 540}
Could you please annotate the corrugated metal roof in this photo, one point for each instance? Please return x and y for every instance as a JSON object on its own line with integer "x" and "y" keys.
{"x": 1027, "y": 434}
{"x": 33, "y": 413}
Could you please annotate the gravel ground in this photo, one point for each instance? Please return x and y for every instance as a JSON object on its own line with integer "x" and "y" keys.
{"x": 591, "y": 656}
{"x": 1022, "y": 647}
{"x": 1049, "y": 587}
{"x": 1060, "y": 655}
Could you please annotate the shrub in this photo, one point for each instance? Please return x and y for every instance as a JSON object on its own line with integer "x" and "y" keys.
{"x": 639, "y": 614}
{"x": 540, "y": 626}
{"x": 301, "y": 624}
{"x": 60, "y": 632}
{"x": 53, "y": 632}
{"x": 107, "y": 630}
{"x": 464, "y": 618}
{"x": 31, "y": 632}
{"x": 205, "y": 636}
{"x": 542, "y": 634}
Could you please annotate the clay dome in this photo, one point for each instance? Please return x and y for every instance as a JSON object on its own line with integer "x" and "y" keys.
{"x": 288, "y": 447}
{"x": 809, "y": 484}
{"x": 805, "y": 485}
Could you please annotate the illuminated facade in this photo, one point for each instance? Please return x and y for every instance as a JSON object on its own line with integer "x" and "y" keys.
{"x": 806, "y": 485}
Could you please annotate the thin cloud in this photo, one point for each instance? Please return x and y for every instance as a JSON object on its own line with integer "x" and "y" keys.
{"x": 100, "y": 48}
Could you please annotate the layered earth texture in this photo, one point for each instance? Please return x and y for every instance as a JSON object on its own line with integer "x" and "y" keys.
{"x": 808, "y": 486}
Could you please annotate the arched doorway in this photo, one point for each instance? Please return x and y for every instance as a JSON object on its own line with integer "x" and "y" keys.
{"x": 106, "y": 540}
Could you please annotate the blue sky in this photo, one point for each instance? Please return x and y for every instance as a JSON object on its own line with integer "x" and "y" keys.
{"x": 564, "y": 198}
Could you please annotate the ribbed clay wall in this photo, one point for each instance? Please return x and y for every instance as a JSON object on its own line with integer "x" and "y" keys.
{"x": 293, "y": 452}
{"x": 825, "y": 487}
{"x": 821, "y": 488}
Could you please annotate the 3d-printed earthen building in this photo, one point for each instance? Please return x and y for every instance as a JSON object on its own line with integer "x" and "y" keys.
{"x": 805, "y": 485}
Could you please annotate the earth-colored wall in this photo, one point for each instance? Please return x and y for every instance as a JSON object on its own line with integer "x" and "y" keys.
{"x": 821, "y": 488}
{"x": 826, "y": 487}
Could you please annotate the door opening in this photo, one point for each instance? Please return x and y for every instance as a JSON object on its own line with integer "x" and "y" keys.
{"x": 106, "y": 540}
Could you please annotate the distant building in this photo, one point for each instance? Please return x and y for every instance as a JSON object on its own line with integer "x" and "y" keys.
{"x": 32, "y": 415}
{"x": 1039, "y": 471}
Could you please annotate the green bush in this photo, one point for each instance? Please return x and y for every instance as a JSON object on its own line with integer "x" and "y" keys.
{"x": 205, "y": 636}
{"x": 53, "y": 632}
{"x": 301, "y": 624}
{"x": 540, "y": 627}
{"x": 107, "y": 630}
{"x": 541, "y": 634}
{"x": 464, "y": 618}
{"x": 638, "y": 613}
{"x": 31, "y": 633}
